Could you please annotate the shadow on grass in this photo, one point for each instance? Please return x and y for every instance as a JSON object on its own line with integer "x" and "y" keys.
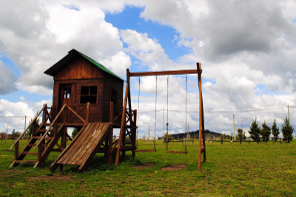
{"x": 98, "y": 164}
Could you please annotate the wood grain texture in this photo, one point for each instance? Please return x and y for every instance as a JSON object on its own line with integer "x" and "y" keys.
{"x": 79, "y": 151}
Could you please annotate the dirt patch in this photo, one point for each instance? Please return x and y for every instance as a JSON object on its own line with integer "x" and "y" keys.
{"x": 48, "y": 178}
{"x": 174, "y": 167}
{"x": 146, "y": 165}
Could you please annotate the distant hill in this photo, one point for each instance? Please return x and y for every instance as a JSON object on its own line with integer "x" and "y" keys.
{"x": 194, "y": 134}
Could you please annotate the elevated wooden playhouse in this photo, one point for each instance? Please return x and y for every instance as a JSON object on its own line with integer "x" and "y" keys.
{"x": 88, "y": 96}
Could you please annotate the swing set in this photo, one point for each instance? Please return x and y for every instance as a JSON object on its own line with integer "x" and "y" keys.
{"x": 130, "y": 115}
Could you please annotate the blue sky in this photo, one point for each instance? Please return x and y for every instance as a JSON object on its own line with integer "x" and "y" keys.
{"x": 245, "y": 65}
{"x": 129, "y": 18}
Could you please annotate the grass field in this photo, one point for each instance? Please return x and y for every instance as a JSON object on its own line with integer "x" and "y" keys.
{"x": 248, "y": 169}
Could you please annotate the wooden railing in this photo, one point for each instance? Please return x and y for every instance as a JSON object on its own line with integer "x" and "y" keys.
{"x": 67, "y": 119}
{"x": 54, "y": 122}
{"x": 33, "y": 122}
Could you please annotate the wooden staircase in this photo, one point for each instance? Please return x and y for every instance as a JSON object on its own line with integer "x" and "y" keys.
{"x": 44, "y": 139}
{"x": 44, "y": 148}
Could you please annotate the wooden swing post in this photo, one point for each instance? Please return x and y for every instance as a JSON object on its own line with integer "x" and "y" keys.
{"x": 127, "y": 101}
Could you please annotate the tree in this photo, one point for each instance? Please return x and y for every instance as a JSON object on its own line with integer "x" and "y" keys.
{"x": 75, "y": 132}
{"x": 16, "y": 133}
{"x": 265, "y": 132}
{"x": 287, "y": 130}
{"x": 31, "y": 127}
{"x": 241, "y": 135}
{"x": 275, "y": 130}
{"x": 255, "y": 131}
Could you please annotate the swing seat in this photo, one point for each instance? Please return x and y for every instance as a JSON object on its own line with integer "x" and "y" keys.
{"x": 148, "y": 150}
{"x": 179, "y": 152}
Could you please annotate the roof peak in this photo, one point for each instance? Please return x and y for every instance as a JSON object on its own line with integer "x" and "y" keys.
{"x": 73, "y": 53}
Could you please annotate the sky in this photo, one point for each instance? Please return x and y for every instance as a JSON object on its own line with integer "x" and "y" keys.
{"x": 247, "y": 50}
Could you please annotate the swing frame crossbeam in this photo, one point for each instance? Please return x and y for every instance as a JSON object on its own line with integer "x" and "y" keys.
{"x": 127, "y": 102}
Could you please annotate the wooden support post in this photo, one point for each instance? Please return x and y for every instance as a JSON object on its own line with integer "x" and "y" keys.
{"x": 66, "y": 111}
{"x": 39, "y": 152}
{"x": 55, "y": 128}
{"x": 111, "y": 133}
{"x": 87, "y": 112}
{"x": 123, "y": 144}
{"x": 16, "y": 150}
{"x": 200, "y": 115}
{"x": 203, "y": 131}
{"x": 123, "y": 124}
{"x": 41, "y": 147}
{"x": 63, "y": 142}
{"x": 53, "y": 115}
{"x": 34, "y": 128}
{"x": 44, "y": 113}
{"x": 129, "y": 113}
{"x": 134, "y": 130}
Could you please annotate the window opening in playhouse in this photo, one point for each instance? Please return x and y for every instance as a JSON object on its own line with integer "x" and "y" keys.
{"x": 88, "y": 94}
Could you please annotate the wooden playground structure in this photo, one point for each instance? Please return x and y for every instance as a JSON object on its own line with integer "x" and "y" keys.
{"x": 88, "y": 96}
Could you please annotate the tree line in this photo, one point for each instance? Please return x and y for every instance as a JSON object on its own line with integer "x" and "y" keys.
{"x": 263, "y": 133}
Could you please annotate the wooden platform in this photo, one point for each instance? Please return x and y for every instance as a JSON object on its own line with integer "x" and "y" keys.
{"x": 84, "y": 146}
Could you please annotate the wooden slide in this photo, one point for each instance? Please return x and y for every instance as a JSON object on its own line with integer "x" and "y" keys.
{"x": 84, "y": 146}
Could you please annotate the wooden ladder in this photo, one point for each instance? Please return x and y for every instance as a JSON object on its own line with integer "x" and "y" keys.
{"x": 46, "y": 138}
{"x": 44, "y": 148}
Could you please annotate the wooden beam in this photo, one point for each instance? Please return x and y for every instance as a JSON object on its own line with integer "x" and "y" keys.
{"x": 56, "y": 118}
{"x": 49, "y": 148}
{"x": 122, "y": 126}
{"x": 77, "y": 114}
{"x": 203, "y": 133}
{"x": 170, "y": 72}
{"x": 200, "y": 114}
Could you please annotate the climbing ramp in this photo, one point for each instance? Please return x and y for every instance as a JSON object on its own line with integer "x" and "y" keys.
{"x": 84, "y": 146}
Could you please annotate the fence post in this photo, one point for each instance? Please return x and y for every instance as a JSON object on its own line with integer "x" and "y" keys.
{"x": 222, "y": 140}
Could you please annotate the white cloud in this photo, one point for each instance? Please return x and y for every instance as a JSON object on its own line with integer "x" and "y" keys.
{"x": 247, "y": 51}
{"x": 143, "y": 48}
{"x": 14, "y": 113}
{"x": 38, "y": 89}
{"x": 117, "y": 63}
{"x": 40, "y": 34}
{"x": 7, "y": 80}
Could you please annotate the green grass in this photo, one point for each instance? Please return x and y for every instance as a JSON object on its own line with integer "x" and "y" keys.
{"x": 247, "y": 169}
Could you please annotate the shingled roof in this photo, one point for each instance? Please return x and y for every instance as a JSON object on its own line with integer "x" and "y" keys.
{"x": 72, "y": 54}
